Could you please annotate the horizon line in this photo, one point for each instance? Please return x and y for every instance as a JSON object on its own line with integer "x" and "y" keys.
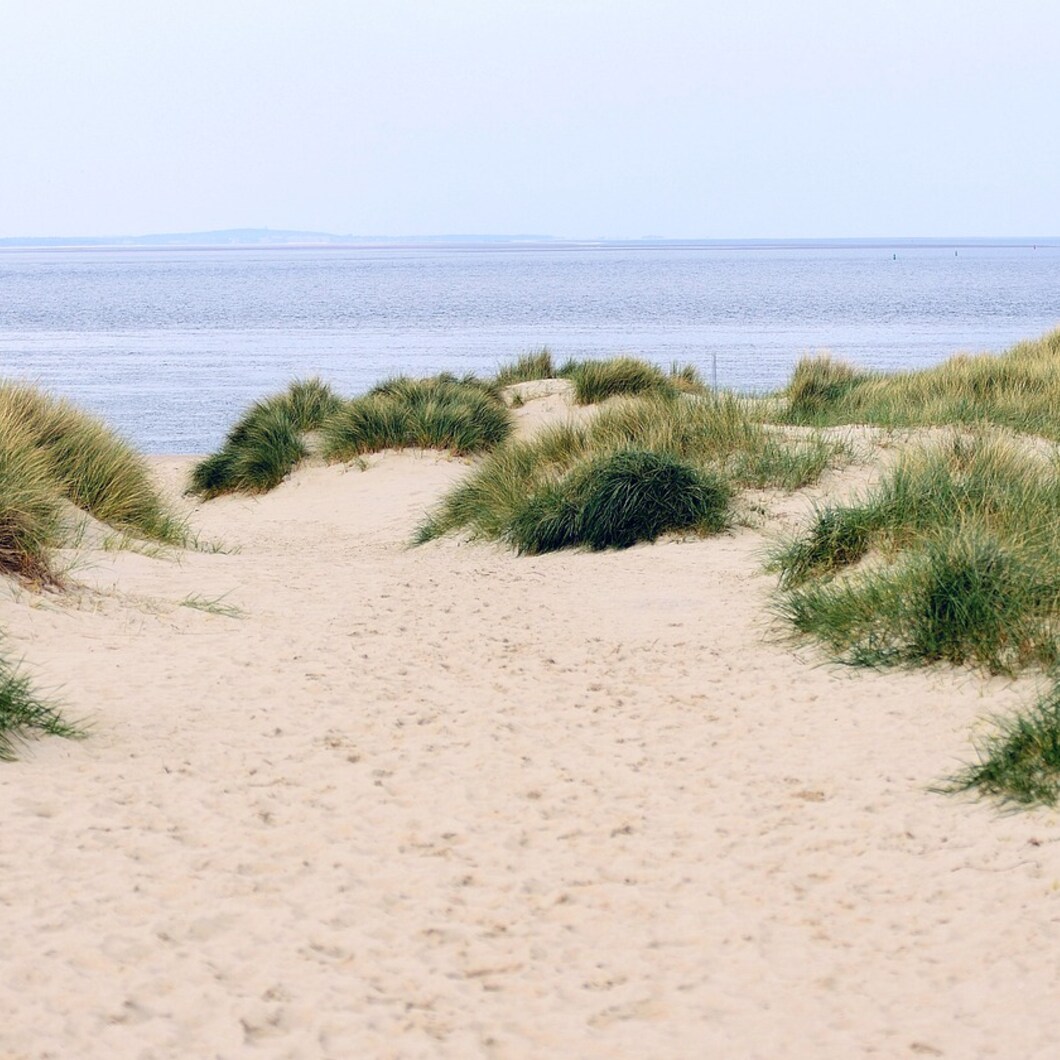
{"x": 260, "y": 238}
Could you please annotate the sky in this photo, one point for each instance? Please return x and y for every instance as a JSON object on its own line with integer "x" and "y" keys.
{"x": 570, "y": 118}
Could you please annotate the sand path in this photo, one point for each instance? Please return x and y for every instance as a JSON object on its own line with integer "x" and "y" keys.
{"x": 450, "y": 802}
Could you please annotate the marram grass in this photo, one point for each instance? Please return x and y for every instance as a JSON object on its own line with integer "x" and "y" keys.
{"x": 713, "y": 436}
{"x": 596, "y": 381}
{"x": 954, "y": 557}
{"x": 1018, "y": 389}
{"x": 51, "y": 452}
{"x": 618, "y": 500}
{"x": 266, "y": 443}
{"x": 528, "y": 367}
{"x": 30, "y": 513}
{"x": 23, "y": 713}
{"x": 1019, "y": 760}
{"x": 463, "y": 416}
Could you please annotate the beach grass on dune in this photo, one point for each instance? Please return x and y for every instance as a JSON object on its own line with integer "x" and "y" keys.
{"x": 714, "y": 436}
{"x": 23, "y": 713}
{"x": 30, "y": 512}
{"x": 596, "y": 381}
{"x": 463, "y": 415}
{"x": 1018, "y": 761}
{"x": 954, "y": 557}
{"x": 525, "y": 369}
{"x": 53, "y": 451}
{"x": 1018, "y": 389}
{"x": 267, "y": 442}
{"x": 617, "y": 500}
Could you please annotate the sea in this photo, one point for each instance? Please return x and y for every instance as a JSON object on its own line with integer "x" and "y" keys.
{"x": 170, "y": 345}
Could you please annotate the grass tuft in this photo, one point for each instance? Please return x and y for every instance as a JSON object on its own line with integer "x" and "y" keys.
{"x": 51, "y": 451}
{"x": 596, "y": 381}
{"x": 817, "y": 387}
{"x": 212, "y": 606}
{"x": 618, "y": 500}
{"x": 1018, "y": 389}
{"x": 962, "y": 550}
{"x": 528, "y": 367}
{"x": 1019, "y": 762}
{"x": 23, "y": 713}
{"x": 30, "y": 513}
{"x": 462, "y": 415}
{"x": 714, "y": 436}
{"x": 266, "y": 444}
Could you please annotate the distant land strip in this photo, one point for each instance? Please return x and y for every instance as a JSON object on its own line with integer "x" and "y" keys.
{"x": 272, "y": 238}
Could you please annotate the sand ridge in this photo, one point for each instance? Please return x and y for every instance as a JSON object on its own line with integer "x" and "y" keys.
{"x": 446, "y": 801}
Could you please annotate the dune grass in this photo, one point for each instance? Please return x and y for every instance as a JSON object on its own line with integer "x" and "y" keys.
{"x": 23, "y": 713}
{"x": 953, "y": 558}
{"x": 596, "y": 381}
{"x": 530, "y": 366}
{"x": 464, "y": 415}
{"x": 51, "y": 452}
{"x": 30, "y": 513}
{"x": 713, "y": 437}
{"x": 1019, "y": 760}
{"x": 962, "y": 543}
{"x": 267, "y": 441}
{"x": 1018, "y": 389}
{"x": 92, "y": 467}
{"x": 617, "y": 500}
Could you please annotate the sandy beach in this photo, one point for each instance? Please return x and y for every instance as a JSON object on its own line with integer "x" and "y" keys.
{"x": 381, "y": 801}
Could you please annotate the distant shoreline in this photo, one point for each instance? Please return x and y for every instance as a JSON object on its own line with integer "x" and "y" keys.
{"x": 500, "y": 244}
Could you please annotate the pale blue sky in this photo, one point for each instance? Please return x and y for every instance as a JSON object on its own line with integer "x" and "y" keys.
{"x": 581, "y": 118}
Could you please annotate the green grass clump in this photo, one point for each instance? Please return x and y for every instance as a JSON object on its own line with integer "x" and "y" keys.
{"x": 267, "y": 442}
{"x": 1018, "y": 389}
{"x": 962, "y": 543}
{"x": 462, "y": 415}
{"x": 30, "y": 514}
{"x": 80, "y": 459}
{"x": 710, "y": 435}
{"x": 818, "y": 385}
{"x": 596, "y": 381}
{"x": 686, "y": 379}
{"x": 23, "y": 713}
{"x": 1019, "y": 762}
{"x": 618, "y": 500}
{"x": 528, "y": 367}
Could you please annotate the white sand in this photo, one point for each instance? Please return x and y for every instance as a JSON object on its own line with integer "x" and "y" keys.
{"x": 450, "y": 802}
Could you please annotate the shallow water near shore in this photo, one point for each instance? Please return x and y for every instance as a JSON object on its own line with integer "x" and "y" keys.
{"x": 170, "y": 345}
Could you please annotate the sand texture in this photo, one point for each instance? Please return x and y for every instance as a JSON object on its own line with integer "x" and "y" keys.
{"x": 446, "y": 801}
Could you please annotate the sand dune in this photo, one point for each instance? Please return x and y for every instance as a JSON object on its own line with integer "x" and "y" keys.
{"x": 445, "y": 801}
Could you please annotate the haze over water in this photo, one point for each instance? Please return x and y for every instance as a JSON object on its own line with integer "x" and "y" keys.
{"x": 170, "y": 345}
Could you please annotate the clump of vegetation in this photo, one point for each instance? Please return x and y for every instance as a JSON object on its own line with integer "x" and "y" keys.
{"x": 51, "y": 451}
{"x": 267, "y": 442}
{"x": 596, "y": 381}
{"x": 30, "y": 514}
{"x": 1019, "y": 762}
{"x": 963, "y": 543}
{"x": 23, "y": 713}
{"x": 618, "y": 500}
{"x": 709, "y": 435}
{"x": 464, "y": 415}
{"x": 1019, "y": 389}
{"x": 686, "y": 379}
{"x": 818, "y": 385}
{"x": 528, "y": 367}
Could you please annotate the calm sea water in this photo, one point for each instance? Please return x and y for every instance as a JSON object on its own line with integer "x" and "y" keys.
{"x": 170, "y": 345}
